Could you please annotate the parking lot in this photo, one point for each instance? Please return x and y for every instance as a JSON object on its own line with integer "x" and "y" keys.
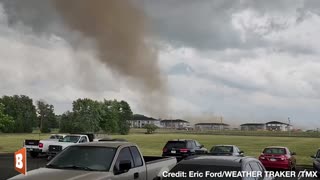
{"x": 7, "y": 166}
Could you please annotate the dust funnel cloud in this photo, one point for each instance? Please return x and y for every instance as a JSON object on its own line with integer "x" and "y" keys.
{"x": 119, "y": 30}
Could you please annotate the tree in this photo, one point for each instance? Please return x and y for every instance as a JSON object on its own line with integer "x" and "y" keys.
{"x": 22, "y": 110}
{"x": 87, "y": 115}
{"x": 109, "y": 121}
{"x": 6, "y": 122}
{"x": 46, "y": 117}
{"x": 66, "y": 121}
{"x": 151, "y": 128}
{"x": 125, "y": 115}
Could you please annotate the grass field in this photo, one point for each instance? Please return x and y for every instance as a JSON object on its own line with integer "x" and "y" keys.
{"x": 153, "y": 144}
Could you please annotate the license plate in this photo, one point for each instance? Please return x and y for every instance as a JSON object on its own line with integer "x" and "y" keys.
{"x": 273, "y": 159}
{"x": 173, "y": 152}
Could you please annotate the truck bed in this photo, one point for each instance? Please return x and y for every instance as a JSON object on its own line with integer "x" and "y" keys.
{"x": 155, "y": 165}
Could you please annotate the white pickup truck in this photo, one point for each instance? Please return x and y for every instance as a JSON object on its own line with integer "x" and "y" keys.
{"x": 71, "y": 139}
{"x": 36, "y": 147}
{"x": 113, "y": 160}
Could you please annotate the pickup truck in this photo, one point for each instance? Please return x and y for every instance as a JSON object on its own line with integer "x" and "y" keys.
{"x": 112, "y": 160}
{"x": 36, "y": 147}
{"x": 71, "y": 139}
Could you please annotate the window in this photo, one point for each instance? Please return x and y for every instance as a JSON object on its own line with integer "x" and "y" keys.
{"x": 123, "y": 156}
{"x": 197, "y": 143}
{"x": 237, "y": 150}
{"x": 274, "y": 151}
{"x": 318, "y": 154}
{"x": 83, "y": 139}
{"x": 175, "y": 144}
{"x": 136, "y": 156}
{"x": 96, "y": 158}
{"x": 256, "y": 167}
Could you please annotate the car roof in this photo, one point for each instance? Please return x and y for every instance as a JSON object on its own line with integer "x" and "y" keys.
{"x": 234, "y": 161}
{"x": 113, "y": 144}
{"x": 275, "y": 147}
{"x": 222, "y": 145}
{"x": 181, "y": 140}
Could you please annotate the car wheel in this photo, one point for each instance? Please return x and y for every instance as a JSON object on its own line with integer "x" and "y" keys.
{"x": 34, "y": 154}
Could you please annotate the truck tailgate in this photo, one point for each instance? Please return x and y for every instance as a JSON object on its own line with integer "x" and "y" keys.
{"x": 157, "y": 165}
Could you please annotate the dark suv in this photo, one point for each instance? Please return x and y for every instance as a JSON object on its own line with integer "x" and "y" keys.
{"x": 181, "y": 148}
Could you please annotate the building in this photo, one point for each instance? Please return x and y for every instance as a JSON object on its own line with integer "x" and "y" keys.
{"x": 278, "y": 126}
{"x": 175, "y": 124}
{"x": 269, "y": 126}
{"x": 139, "y": 121}
{"x": 253, "y": 127}
{"x": 211, "y": 126}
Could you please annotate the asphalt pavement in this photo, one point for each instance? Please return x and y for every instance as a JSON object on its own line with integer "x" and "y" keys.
{"x": 7, "y": 165}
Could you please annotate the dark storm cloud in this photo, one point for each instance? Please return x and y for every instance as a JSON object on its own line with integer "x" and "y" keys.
{"x": 202, "y": 24}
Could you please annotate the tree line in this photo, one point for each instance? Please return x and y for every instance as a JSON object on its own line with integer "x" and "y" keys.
{"x": 18, "y": 114}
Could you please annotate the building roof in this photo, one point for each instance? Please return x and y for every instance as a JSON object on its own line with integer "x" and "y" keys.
{"x": 174, "y": 120}
{"x": 143, "y": 117}
{"x": 276, "y": 122}
{"x": 213, "y": 124}
{"x": 252, "y": 124}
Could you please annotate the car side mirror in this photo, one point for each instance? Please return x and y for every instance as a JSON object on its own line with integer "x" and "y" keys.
{"x": 201, "y": 146}
{"x": 313, "y": 156}
{"x": 124, "y": 166}
{"x": 293, "y": 153}
{"x": 241, "y": 152}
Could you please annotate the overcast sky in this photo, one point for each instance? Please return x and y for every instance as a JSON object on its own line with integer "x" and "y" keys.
{"x": 245, "y": 60}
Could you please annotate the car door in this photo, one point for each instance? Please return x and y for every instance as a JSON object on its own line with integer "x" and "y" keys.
{"x": 139, "y": 169}
{"x": 126, "y": 155}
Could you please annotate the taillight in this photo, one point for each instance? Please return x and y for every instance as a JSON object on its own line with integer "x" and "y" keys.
{"x": 183, "y": 150}
{"x": 164, "y": 150}
{"x": 40, "y": 145}
{"x": 283, "y": 158}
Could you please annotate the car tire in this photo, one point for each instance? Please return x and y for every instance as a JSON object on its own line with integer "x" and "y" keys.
{"x": 34, "y": 154}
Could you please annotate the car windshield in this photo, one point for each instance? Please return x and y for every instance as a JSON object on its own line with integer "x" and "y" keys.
{"x": 202, "y": 168}
{"x": 221, "y": 149}
{"x": 73, "y": 139}
{"x": 274, "y": 151}
{"x": 84, "y": 158}
{"x": 176, "y": 144}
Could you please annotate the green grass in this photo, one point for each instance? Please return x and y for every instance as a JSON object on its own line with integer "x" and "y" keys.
{"x": 251, "y": 145}
{"x": 153, "y": 144}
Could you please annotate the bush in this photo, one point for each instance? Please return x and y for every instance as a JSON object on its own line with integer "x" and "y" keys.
{"x": 151, "y": 128}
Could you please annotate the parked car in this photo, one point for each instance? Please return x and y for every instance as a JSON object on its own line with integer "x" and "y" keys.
{"x": 316, "y": 162}
{"x": 57, "y": 147}
{"x": 217, "y": 164}
{"x": 181, "y": 148}
{"x": 224, "y": 150}
{"x": 277, "y": 157}
{"x": 36, "y": 147}
{"x": 102, "y": 160}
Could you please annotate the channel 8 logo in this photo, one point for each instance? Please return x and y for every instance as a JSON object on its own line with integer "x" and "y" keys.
{"x": 20, "y": 161}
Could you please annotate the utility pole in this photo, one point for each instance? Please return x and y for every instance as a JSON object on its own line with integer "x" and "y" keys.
{"x": 289, "y": 129}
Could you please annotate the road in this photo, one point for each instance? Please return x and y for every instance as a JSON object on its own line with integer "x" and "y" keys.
{"x": 7, "y": 166}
